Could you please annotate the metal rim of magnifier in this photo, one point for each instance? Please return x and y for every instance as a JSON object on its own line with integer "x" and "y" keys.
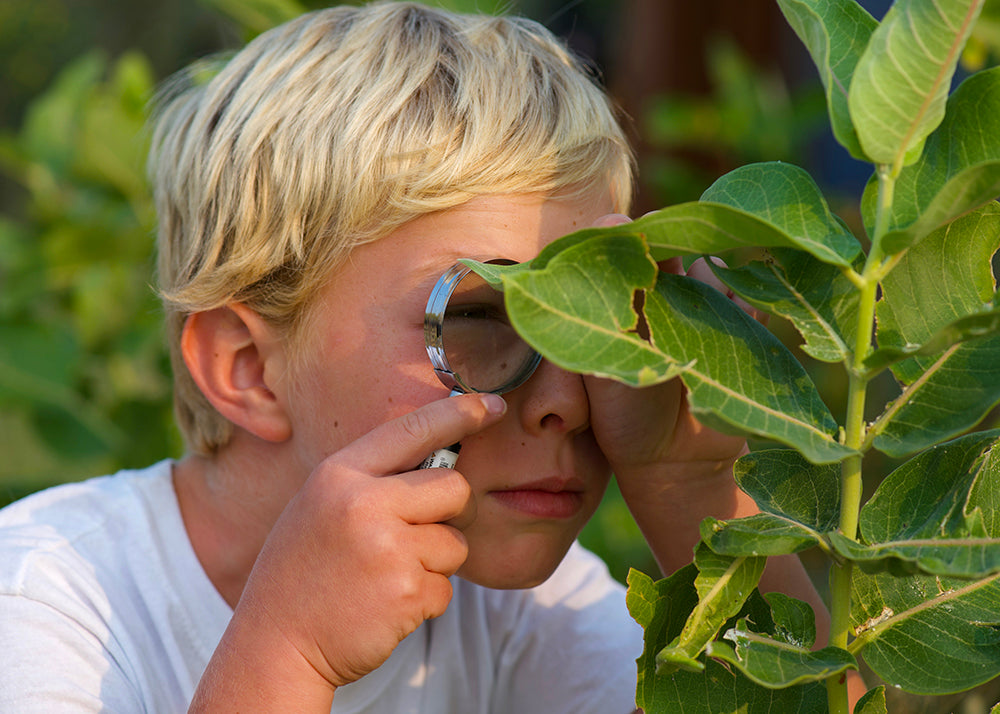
{"x": 434, "y": 315}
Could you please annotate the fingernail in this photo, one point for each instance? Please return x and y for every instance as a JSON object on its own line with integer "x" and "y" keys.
{"x": 494, "y": 403}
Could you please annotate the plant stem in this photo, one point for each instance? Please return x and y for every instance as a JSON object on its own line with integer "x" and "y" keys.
{"x": 851, "y": 481}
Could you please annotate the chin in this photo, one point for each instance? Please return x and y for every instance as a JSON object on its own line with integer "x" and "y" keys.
{"x": 512, "y": 568}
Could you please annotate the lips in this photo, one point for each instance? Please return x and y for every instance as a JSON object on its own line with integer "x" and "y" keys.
{"x": 550, "y": 498}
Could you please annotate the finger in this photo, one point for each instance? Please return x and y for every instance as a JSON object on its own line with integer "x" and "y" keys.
{"x": 401, "y": 444}
{"x": 442, "y": 549}
{"x": 611, "y": 220}
{"x": 432, "y": 496}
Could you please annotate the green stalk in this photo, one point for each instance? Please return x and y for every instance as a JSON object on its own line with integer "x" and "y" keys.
{"x": 851, "y": 481}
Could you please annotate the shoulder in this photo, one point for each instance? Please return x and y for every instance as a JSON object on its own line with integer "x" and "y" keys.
{"x": 77, "y": 528}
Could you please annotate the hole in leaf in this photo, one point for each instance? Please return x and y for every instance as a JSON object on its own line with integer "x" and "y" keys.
{"x": 639, "y": 306}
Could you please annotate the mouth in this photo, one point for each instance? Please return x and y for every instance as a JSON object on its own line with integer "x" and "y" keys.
{"x": 552, "y": 498}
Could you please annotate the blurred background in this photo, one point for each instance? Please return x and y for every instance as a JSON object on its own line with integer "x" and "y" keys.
{"x": 84, "y": 378}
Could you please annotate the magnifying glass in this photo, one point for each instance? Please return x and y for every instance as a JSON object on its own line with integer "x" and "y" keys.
{"x": 471, "y": 343}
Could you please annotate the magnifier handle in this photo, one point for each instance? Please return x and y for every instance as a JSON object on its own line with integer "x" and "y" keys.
{"x": 442, "y": 458}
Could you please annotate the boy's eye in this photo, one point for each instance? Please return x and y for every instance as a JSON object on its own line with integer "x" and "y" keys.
{"x": 476, "y": 312}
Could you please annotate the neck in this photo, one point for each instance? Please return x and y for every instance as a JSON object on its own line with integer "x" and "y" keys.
{"x": 229, "y": 503}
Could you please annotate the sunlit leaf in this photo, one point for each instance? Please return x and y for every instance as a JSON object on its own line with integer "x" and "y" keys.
{"x": 760, "y": 205}
{"x": 786, "y": 196}
{"x": 836, "y": 33}
{"x": 902, "y": 79}
{"x": 959, "y": 169}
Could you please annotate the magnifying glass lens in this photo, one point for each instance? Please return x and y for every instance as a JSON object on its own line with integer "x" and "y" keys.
{"x": 482, "y": 348}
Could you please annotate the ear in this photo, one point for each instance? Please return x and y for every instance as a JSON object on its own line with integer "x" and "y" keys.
{"x": 237, "y": 360}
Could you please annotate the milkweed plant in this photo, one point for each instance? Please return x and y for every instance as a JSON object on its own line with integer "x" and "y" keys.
{"x": 915, "y": 570}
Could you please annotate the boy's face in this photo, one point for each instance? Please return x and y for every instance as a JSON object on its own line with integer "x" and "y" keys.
{"x": 364, "y": 362}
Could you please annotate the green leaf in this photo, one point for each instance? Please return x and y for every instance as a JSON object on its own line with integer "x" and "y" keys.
{"x": 943, "y": 283}
{"x": 901, "y": 81}
{"x": 799, "y": 502}
{"x": 257, "y": 16}
{"x": 815, "y": 297}
{"x": 836, "y": 33}
{"x": 723, "y": 585}
{"x": 785, "y": 196}
{"x": 785, "y": 658}
{"x": 933, "y": 634}
{"x": 927, "y": 634}
{"x": 959, "y": 169}
{"x": 578, "y": 311}
{"x": 761, "y": 205}
{"x": 738, "y": 375}
{"x": 662, "y": 609}
{"x": 873, "y": 702}
{"x": 925, "y": 513}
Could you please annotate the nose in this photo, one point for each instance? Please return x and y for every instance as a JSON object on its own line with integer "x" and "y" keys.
{"x": 553, "y": 399}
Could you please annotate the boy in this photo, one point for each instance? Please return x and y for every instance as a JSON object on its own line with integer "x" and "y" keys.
{"x": 309, "y": 195}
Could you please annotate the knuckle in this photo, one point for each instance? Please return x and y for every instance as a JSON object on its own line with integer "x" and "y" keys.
{"x": 417, "y": 426}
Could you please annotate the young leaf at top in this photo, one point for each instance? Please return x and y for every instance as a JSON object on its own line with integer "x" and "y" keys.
{"x": 815, "y": 297}
{"x": 799, "y": 503}
{"x": 662, "y": 609}
{"x": 901, "y": 82}
{"x": 944, "y": 278}
{"x": 723, "y": 585}
{"x": 738, "y": 375}
{"x": 959, "y": 169}
{"x": 932, "y": 634}
{"x": 836, "y": 33}
{"x": 929, "y": 513}
{"x": 785, "y": 658}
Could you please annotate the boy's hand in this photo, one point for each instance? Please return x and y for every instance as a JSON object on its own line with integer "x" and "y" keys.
{"x": 362, "y": 555}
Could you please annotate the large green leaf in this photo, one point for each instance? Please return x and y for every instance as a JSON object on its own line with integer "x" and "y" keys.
{"x": 786, "y": 196}
{"x": 817, "y": 298}
{"x": 945, "y": 278}
{"x": 929, "y": 513}
{"x": 738, "y": 375}
{"x": 799, "y": 503}
{"x": 836, "y": 33}
{"x": 785, "y": 658}
{"x": 902, "y": 79}
{"x": 662, "y": 609}
{"x": 933, "y": 634}
{"x": 723, "y": 585}
{"x": 959, "y": 169}
{"x": 761, "y": 205}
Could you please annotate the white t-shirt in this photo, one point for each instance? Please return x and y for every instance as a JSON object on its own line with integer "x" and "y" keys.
{"x": 105, "y": 607}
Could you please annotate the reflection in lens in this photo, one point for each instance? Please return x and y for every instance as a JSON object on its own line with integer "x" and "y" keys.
{"x": 481, "y": 346}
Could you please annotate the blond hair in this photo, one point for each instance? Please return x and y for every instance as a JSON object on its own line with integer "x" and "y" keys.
{"x": 336, "y": 128}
